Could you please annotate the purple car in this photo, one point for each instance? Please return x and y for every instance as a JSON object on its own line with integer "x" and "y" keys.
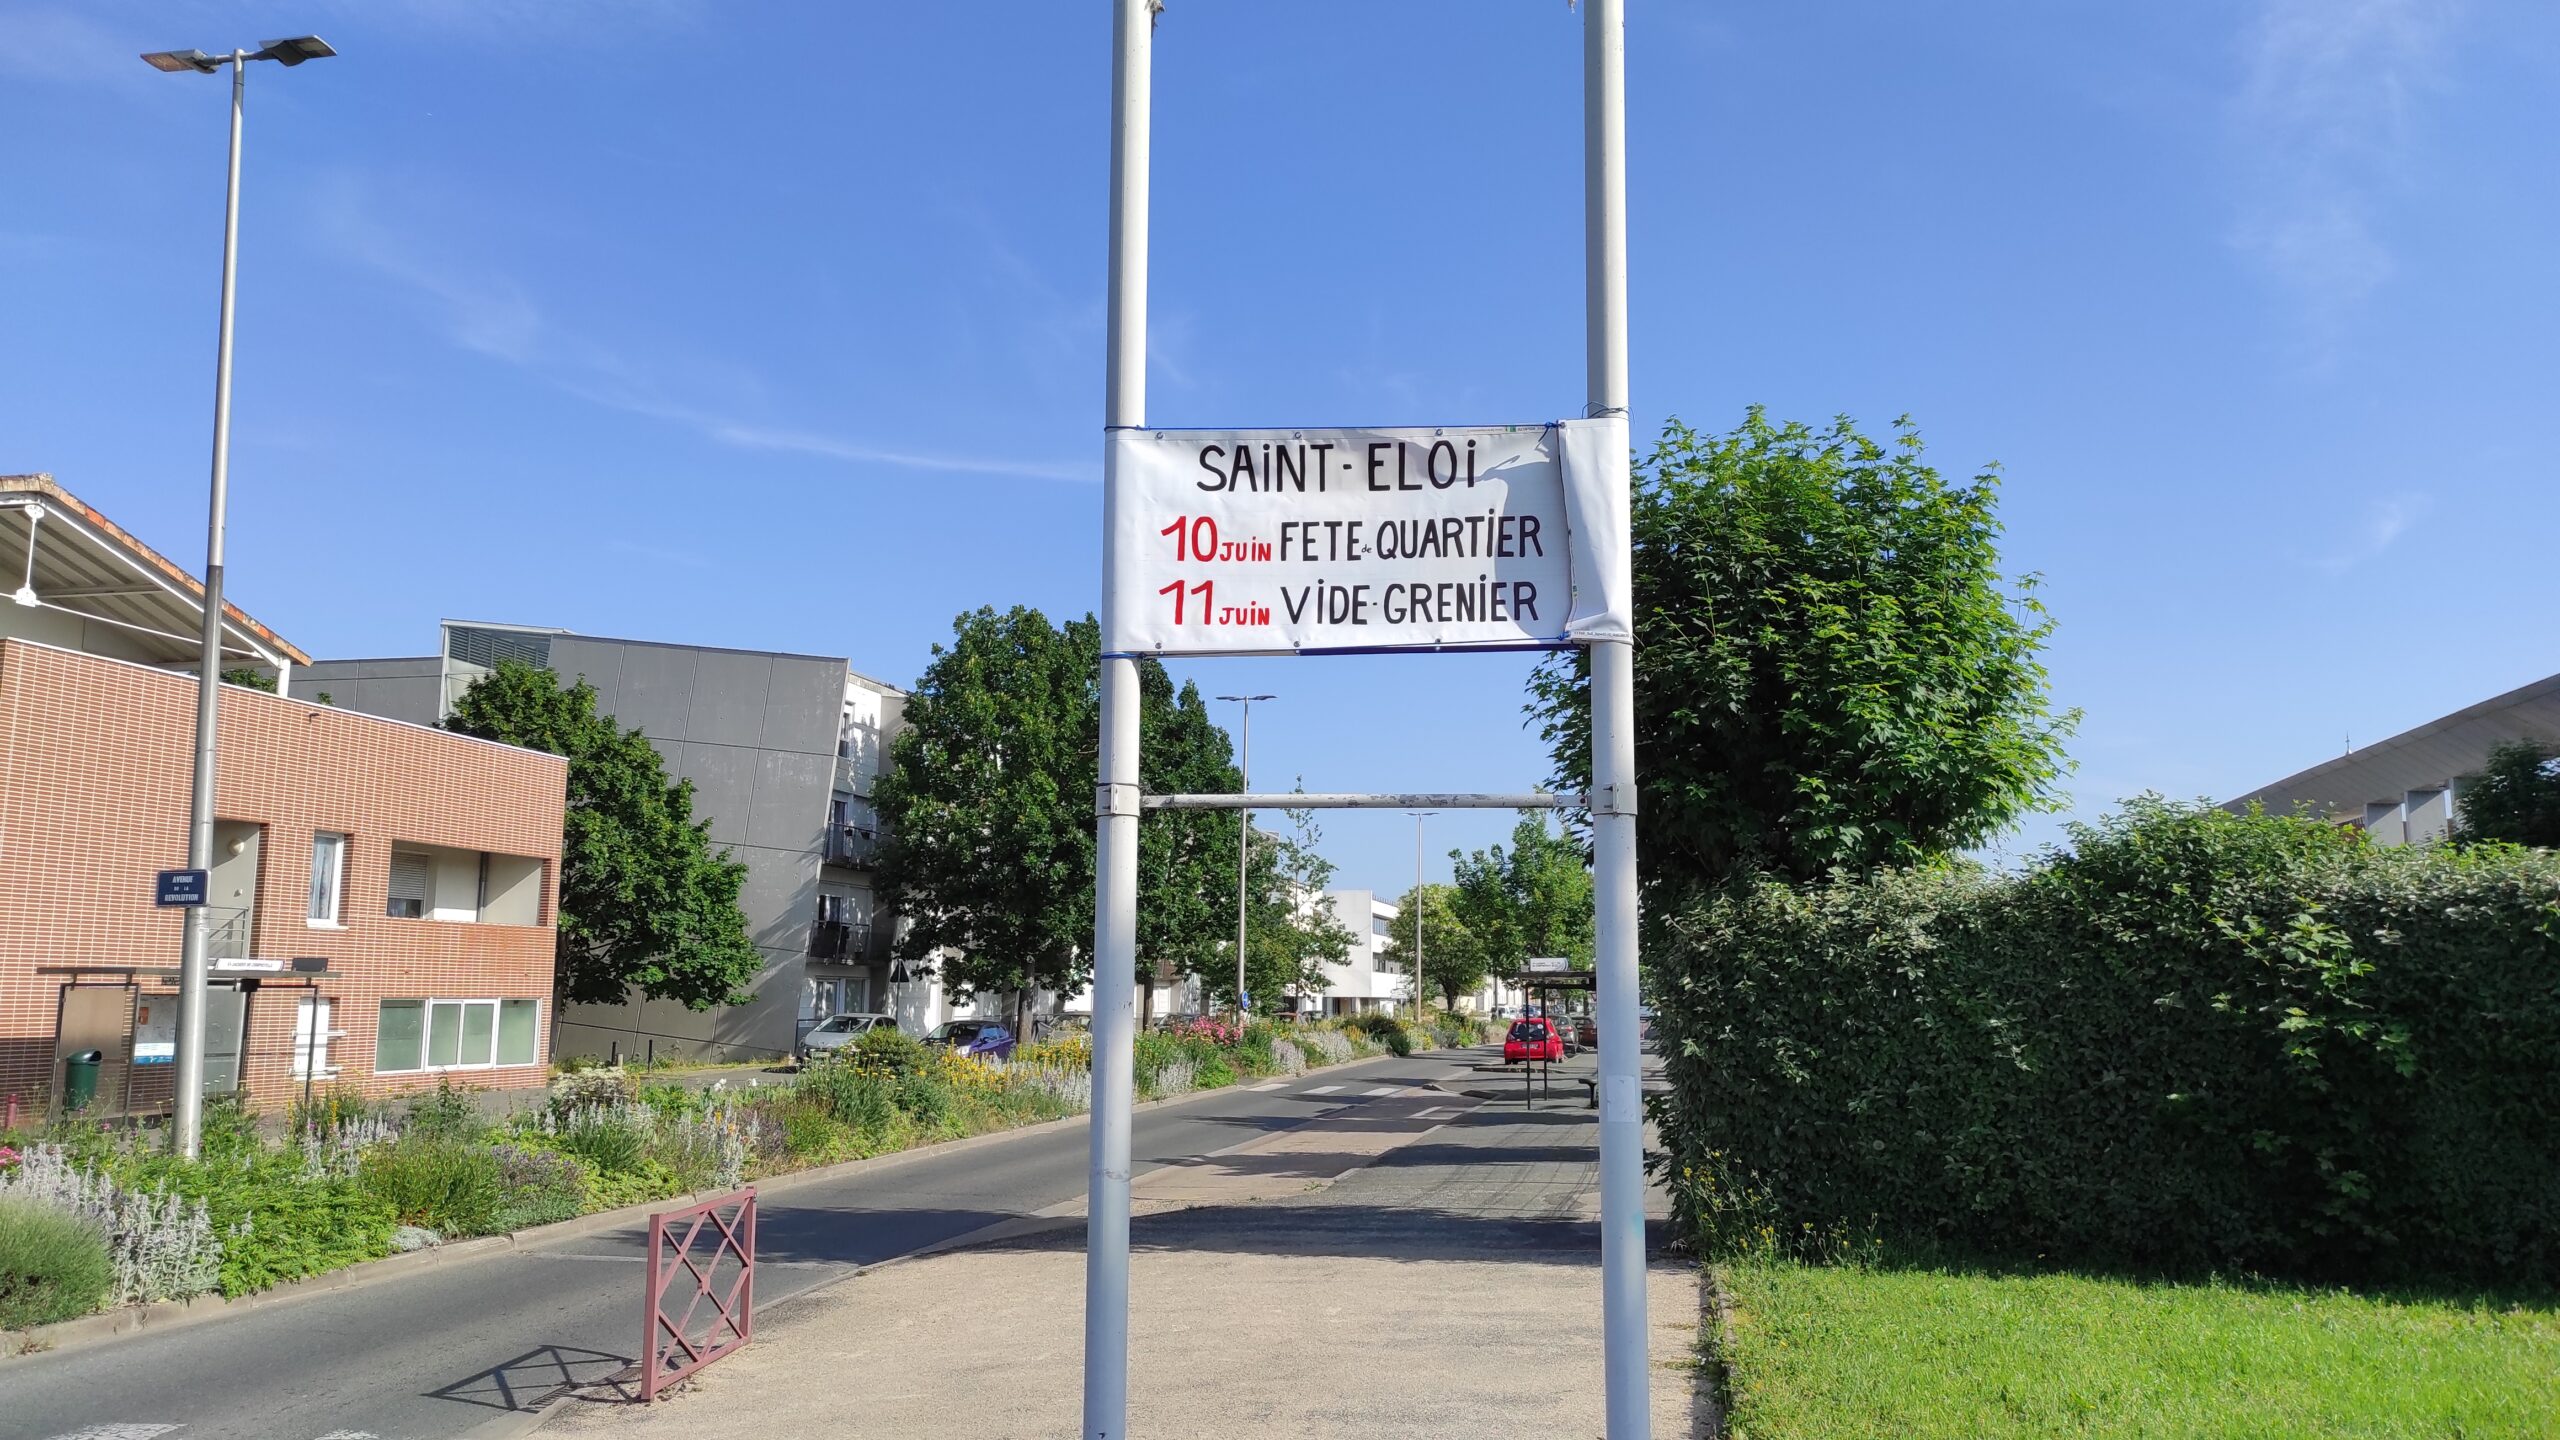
{"x": 984, "y": 1039}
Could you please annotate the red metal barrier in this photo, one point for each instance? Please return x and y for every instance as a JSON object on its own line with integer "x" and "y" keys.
{"x": 672, "y": 1347}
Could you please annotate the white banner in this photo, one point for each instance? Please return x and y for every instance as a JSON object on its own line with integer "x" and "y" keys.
{"x": 1242, "y": 542}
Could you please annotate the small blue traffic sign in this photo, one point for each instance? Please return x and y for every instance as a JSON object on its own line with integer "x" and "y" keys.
{"x": 181, "y": 887}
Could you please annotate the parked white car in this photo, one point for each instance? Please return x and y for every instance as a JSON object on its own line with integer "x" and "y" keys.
{"x": 837, "y": 1031}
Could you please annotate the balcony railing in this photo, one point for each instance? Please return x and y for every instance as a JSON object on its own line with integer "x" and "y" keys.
{"x": 227, "y": 928}
{"x": 857, "y": 846}
{"x": 844, "y": 942}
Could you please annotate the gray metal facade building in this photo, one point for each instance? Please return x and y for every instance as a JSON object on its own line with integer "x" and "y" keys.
{"x": 2408, "y": 789}
{"x": 782, "y": 751}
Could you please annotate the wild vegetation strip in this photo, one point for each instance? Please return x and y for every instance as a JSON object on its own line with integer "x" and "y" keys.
{"x": 94, "y": 1216}
{"x": 1818, "y": 1352}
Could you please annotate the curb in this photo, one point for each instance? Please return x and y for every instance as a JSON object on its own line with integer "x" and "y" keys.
{"x": 165, "y": 1315}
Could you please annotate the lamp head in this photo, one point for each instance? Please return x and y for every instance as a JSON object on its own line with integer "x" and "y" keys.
{"x": 174, "y": 61}
{"x": 295, "y": 50}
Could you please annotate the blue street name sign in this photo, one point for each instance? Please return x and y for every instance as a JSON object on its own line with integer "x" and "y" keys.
{"x": 180, "y": 887}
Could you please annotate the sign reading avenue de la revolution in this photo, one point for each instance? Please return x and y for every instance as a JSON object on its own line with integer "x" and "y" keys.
{"x": 1277, "y": 541}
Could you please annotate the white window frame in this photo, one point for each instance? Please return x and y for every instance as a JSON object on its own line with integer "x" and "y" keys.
{"x": 307, "y": 1048}
{"x": 427, "y": 1031}
{"x": 336, "y": 918}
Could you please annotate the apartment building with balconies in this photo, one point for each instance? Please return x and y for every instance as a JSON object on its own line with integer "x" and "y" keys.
{"x": 783, "y": 751}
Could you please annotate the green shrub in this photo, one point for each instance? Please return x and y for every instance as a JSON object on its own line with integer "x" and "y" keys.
{"x": 613, "y": 1190}
{"x": 614, "y": 1140}
{"x": 329, "y": 1112}
{"x": 2201, "y": 1040}
{"x": 895, "y": 1051}
{"x": 446, "y": 1113}
{"x": 1256, "y": 1052}
{"x": 812, "y": 1134}
{"x": 860, "y": 1097}
{"x": 450, "y": 1187}
{"x": 53, "y": 1265}
{"x": 591, "y": 1087}
{"x": 277, "y": 1220}
{"x": 1151, "y": 1052}
{"x": 927, "y": 1099}
{"x": 1215, "y": 1072}
{"x": 536, "y": 1187}
{"x": 1376, "y": 1024}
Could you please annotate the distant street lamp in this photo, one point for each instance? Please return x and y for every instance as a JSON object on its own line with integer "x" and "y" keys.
{"x": 192, "y": 958}
{"x": 1418, "y": 817}
{"x": 1244, "y": 835}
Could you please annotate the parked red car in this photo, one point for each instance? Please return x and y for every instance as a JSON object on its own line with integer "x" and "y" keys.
{"x": 1532, "y": 1041}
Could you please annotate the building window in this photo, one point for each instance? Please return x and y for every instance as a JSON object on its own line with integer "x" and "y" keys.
{"x": 328, "y": 868}
{"x": 311, "y": 1037}
{"x": 412, "y": 875}
{"x": 456, "y": 1034}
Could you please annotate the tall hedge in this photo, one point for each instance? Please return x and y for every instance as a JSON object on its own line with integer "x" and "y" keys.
{"x": 2195, "y": 1040}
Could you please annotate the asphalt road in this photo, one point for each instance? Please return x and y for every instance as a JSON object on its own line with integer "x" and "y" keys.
{"x": 460, "y": 1350}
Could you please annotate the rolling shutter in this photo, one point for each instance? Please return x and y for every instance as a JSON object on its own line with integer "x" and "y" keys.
{"x": 410, "y": 874}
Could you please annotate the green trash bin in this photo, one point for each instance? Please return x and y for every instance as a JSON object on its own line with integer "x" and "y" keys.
{"x": 80, "y": 1079}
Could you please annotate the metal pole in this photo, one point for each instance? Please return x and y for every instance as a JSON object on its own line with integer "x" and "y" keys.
{"x": 1417, "y": 909}
{"x": 1613, "y": 755}
{"x": 1244, "y": 850}
{"x": 310, "y": 1048}
{"x": 192, "y": 958}
{"x": 1115, "y": 916}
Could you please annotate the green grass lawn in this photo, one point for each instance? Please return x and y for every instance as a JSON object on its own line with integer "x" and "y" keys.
{"x": 1916, "y": 1354}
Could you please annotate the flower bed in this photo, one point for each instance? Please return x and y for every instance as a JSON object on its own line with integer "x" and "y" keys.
{"x": 352, "y": 1181}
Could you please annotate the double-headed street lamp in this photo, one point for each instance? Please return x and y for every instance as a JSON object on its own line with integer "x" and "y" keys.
{"x": 192, "y": 962}
{"x": 1244, "y": 834}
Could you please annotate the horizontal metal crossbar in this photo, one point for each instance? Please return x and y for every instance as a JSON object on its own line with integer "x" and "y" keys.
{"x": 1538, "y": 800}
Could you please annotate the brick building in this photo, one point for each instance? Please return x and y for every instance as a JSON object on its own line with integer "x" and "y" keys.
{"x": 382, "y": 893}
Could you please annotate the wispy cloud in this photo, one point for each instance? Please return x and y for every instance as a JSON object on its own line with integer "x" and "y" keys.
{"x": 751, "y": 437}
{"x": 488, "y": 313}
{"x": 2384, "y": 522}
{"x": 2325, "y": 116}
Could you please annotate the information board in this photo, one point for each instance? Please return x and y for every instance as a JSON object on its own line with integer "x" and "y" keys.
{"x": 1246, "y": 542}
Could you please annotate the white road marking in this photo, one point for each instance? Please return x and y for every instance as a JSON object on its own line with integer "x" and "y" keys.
{"x": 145, "y": 1431}
{"x": 1268, "y": 1086}
{"x": 1383, "y": 1091}
{"x": 350, "y": 1435}
{"x": 1324, "y": 1089}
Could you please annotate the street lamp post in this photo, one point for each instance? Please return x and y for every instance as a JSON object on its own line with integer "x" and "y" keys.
{"x": 1244, "y": 835}
{"x": 193, "y": 961}
{"x": 1418, "y": 817}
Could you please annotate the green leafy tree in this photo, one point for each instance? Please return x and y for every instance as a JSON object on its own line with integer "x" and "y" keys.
{"x": 1186, "y": 858}
{"x": 249, "y": 677}
{"x": 1534, "y": 899}
{"x": 987, "y": 800}
{"x": 1455, "y": 959}
{"x": 2516, "y": 798}
{"x": 645, "y": 903}
{"x": 1292, "y": 935}
{"x": 1834, "y": 673}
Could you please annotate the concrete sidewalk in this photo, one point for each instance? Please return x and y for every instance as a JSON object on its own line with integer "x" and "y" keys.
{"x": 1415, "y": 1266}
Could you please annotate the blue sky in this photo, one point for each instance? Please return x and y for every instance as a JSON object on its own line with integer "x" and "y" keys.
{"x": 645, "y": 319}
